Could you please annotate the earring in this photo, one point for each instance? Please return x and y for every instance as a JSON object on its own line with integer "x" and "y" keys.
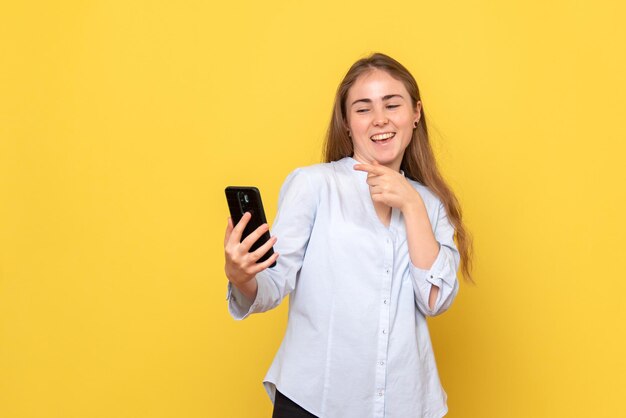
{"x": 415, "y": 124}
{"x": 349, "y": 136}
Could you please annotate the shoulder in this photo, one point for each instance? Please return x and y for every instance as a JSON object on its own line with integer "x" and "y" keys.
{"x": 315, "y": 170}
{"x": 304, "y": 182}
{"x": 304, "y": 186}
{"x": 316, "y": 174}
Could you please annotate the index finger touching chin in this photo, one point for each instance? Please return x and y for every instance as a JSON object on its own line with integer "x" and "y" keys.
{"x": 365, "y": 167}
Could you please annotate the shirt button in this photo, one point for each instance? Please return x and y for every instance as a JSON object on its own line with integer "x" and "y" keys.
{"x": 380, "y": 393}
{"x": 385, "y": 301}
{"x": 388, "y": 272}
{"x": 384, "y": 331}
{"x": 382, "y": 363}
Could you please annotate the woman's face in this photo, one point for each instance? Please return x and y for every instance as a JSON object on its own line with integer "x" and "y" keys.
{"x": 380, "y": 118}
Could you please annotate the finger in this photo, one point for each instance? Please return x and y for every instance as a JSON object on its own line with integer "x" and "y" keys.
{"x": 262, "y": 266}
{"x": 375, "y": 191}
{"x": 376, "y": 170}
{"x": 263, "y": 249}
{"x": 373, "y": 181}
{"x": 378, "y": 197}
{"x": 229, "y": 230}
{"x": 235, "y": 237}
{"x": 253, "y": 237}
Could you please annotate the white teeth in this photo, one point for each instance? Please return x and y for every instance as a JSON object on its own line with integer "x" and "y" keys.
{"x": 381, "y": 137}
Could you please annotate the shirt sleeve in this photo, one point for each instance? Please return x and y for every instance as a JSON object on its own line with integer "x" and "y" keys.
{"x": 297, "y": 205}
{"x": 443, "y": 272}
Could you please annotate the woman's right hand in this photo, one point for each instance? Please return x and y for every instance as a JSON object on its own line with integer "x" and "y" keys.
{"x": 241, "y": 265}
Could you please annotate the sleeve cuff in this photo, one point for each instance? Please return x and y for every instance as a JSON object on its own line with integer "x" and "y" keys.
{"x": 440, "y": 272}
{"x": 239, "y": 306}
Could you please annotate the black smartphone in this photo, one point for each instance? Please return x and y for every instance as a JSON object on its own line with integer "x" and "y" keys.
{"x": 248, "y": 199}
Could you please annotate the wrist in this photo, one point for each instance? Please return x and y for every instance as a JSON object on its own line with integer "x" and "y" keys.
{"x": 248, "y": 289}
{"x": 413, "y": 206}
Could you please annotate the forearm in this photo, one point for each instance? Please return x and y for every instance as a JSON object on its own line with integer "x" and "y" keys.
{"x": 432, "y": 299}
{"x": 423, "y": 247}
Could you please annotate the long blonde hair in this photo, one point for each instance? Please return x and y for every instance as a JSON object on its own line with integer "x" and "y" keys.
{"x": 418, "y": 162}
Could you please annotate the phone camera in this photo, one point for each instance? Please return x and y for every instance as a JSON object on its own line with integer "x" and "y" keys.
{"x": 244, "y": 201}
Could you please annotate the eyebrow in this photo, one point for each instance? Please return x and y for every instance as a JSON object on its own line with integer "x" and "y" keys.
{"x": 387, "y": 97}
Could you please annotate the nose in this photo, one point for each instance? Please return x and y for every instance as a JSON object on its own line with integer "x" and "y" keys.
{"x": 380, "y": 119}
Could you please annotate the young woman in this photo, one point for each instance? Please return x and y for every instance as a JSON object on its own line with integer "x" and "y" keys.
{"x": 367, "y": 251}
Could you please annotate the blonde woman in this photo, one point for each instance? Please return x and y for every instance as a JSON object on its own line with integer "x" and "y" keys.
{"x": 365, "y": 247}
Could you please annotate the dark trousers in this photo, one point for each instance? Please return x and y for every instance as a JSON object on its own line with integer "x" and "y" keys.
{"x": 286, "y": 408}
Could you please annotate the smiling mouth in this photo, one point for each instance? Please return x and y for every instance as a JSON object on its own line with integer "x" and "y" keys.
{"x": 384, "y": 137}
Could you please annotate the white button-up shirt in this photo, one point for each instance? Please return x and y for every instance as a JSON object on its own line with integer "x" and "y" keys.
{"x": 357, "y": 342}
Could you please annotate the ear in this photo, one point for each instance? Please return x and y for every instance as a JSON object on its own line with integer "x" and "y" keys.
{"x": 346, "y": 126}
{"x": 418, "y": 111}
{"x": 346, "y": 123}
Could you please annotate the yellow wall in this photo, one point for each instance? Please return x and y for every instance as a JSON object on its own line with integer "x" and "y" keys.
{"x": 120, "y": 125}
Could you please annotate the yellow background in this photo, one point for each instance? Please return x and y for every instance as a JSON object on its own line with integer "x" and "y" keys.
{"x": 122, "y": 122}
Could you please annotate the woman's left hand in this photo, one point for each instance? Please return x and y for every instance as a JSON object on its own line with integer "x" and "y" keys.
{"x": 389, "y": 187}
